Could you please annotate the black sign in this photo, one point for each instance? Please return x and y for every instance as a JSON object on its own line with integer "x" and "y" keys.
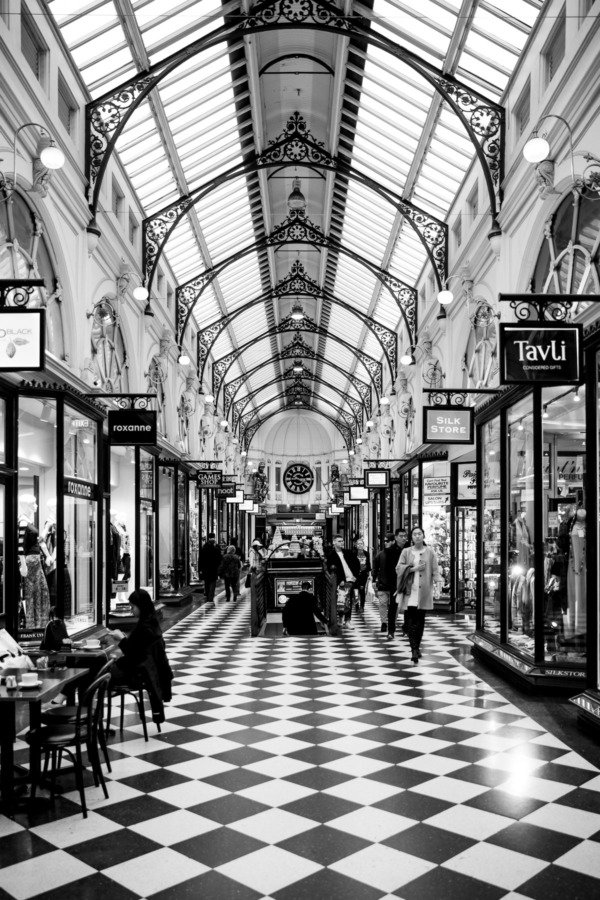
{"x": 132, "y": 427}
{"x": 448, "y": 424}
{"x": 377, "y": 478}
{"x": 227, "y": 489}
{"x": 210, "y": 480}
{"x": 81, "y": 489}
{"x": 543, "y": 352}
{"x": 212, "y": 465}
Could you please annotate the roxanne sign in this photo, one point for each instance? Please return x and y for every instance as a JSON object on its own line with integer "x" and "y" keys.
{"x": 543, "y": 352}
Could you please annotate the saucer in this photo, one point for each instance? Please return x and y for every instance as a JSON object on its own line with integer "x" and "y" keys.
{"x": 26, "y": 687}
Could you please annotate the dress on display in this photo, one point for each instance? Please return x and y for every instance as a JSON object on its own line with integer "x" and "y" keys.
{"x": 36, "y": 597}
{"x": 575, "y": 619}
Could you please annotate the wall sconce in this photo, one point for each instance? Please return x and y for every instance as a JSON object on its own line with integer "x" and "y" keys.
{"x": 103, "y": 313}
{"x": 182, "y": 357}
{"x": 140, "y": 292}
{"x": 243, "y": 454}
{"x": 148, "y": 310}
{"x": 445, "y": 296}
{"x": 224, "y": 424}
{"x": 50, "y": 157}
{"x": 408, "y": 357}
{"x": 384, "y": 401}
{"x": 93, "y": 236}
{"x": 359, "y": 440}
{"x": 537, "y": 149}
{"x": 370, "y": 423}
{"x": 208, "y": 398}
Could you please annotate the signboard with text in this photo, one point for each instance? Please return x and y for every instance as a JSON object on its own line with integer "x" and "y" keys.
{"x": 210, "y": 480}
{"x": 82, "y": 490}
{"x": 437, "y": 485}
{"x": 210, "y": 464}
{"x": 227, "y": 490}
{"x": 377, "y": 478}
{"x": 466, "y": 481}
{"x": 448, "y": 424}
{"x": 132, "y": 427}
{"x": 542, "y": 352}
{"x": 22, "y": 339}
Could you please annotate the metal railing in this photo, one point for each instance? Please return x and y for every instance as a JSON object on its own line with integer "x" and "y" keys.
{"x": 258, "y": 601}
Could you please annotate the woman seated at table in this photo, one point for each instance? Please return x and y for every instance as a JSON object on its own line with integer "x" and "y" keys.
{"x": 136, "y": 647}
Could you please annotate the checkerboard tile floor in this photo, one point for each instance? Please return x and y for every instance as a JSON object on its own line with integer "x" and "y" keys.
{"x": 325, "y": 767}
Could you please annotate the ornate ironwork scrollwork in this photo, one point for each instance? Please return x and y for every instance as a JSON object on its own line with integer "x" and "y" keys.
{"x": 295, "y": 12}
{"x": 296, "y": 144}
{"x": 448, "y": 398}
{"x": 231, "y": 388}
{"x": 18, "y": 292}
{"x": 547, "y": 307}
{"x": 374, "y": 368}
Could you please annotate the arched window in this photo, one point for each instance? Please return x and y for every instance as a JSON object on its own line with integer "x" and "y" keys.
{"x": 569, "y": 259}
{"x": 24, "y": 253}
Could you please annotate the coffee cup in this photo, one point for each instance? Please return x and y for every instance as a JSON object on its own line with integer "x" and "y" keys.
{"x": 29, "y": 678}
{"x": 92, "y": 644}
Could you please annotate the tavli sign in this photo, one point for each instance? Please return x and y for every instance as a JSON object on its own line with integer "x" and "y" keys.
{"x": 543, "y": 352}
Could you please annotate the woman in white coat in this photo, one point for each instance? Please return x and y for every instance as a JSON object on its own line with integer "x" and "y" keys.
{"x": 417, "y": 572}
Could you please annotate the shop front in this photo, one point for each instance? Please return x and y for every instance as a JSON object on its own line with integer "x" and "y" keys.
{"x": 180, "y": 518}
{"x": 533, "y": 617}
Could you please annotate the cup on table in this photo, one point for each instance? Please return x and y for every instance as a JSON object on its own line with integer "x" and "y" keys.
{"x": 29, "y": 678}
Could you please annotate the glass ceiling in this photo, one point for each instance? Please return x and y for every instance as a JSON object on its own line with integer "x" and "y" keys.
{"x": 215, "y": 108}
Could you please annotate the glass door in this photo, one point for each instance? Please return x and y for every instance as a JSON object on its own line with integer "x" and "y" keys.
{"x": 466, "y": 556}
{"x": 2, "y": 546}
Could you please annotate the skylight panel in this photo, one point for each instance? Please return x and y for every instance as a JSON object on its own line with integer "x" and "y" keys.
{"x": 471, "y": 67}
{"x": 107, "y": 72}
{"x": 86, "y": 28}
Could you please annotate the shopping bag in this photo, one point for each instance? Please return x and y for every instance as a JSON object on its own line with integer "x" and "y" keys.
{"x": 369, "y": 589}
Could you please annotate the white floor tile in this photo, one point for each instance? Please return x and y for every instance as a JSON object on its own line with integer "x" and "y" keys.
{"x": 189, "y": 793}
{"x": 173, "y": 827}
{"x": 203, "y": 767}
{"x": 382, "y": 867}
{"x": 269, "y": 870}
{"x": 565, "y": 819}
{"x": 276, "y": 792}
{"x": 527, "y": 785}
{"x": 434, "y": 765}
{"x": 278, "y": 766}
{"x": 75, "y": 829}
{"x": 584, "y": 858}
{"x": 273, "y": 825}
{"x": 356, "y": 765}
{"x": 371, "y": 824}
{"x": 210, "y": 746}
{"x": 473, "y": 823}
{"x": 161, "y": 869}
{"x": 363, "y": 790}
{"x": 25, "y": 879}
{"x": 496, "y": 865}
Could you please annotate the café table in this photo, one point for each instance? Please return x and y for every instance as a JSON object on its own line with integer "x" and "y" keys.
{"x": 52, "y": 682}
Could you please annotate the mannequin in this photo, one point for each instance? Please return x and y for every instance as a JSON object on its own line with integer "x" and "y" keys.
{"x": 115, "y": 548}
{"x": 49, "y": 541}
{"x": 575, "y": 619}
{"x": 521, "y": 540}
{"x": 36, "y": 597}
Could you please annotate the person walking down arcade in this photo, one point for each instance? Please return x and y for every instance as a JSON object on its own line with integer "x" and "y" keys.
{"x": 209, "y": 560}
{"x": 417, "y": 572}
{"x": 347, "y": 567}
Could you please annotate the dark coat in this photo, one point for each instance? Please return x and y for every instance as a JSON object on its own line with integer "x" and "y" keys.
{"x": 230, "y": 566}
{"x": 209, "y": 560}
{"x": 298, "y": 614}
{"x": 364, "y": 573}
{"x": 135, "y": 646}
{"x": 334, "y": 562}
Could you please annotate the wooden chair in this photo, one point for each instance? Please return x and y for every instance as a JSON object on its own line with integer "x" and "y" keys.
{"x": 135, "y": 688}
{"x": 70, "y": 737}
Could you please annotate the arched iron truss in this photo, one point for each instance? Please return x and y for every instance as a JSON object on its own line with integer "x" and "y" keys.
{"x": 293, "y": 146}
{"x": 303, "y": 396}
{"x": 299, "y": 284}
{"x": 296, "y": 228}
{"x": 222, "y": 366}
{"x": 483, "y": 120}
{"x": 300, "y": 387}
{"x": 248, "y": 429}
{"x": 298, "y": 348}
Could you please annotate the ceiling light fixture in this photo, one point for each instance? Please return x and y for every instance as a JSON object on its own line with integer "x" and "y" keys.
{"x": 297, "y": 313}
{"x": 296, "y": 200}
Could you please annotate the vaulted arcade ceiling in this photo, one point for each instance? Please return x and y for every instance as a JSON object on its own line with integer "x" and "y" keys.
{"x": 296, "y": 156}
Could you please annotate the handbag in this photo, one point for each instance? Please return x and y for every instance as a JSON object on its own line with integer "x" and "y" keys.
{"x": 54, "y": 635}
{"x": 248, "y": 581}
{"x": 405, "y": 581}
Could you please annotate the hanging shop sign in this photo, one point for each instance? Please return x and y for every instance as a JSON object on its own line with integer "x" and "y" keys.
{"x": 436, "y": 500}
{"x": 22, "y": 339}
{"x": 228, "y": 489}
{"x": 210, "y": 480}
{"x": 82, "y": 490}
{"x": 132, "y": 427}
{"x": 210, "y": 464}
{"x": 358, "y": 492}
{"x": 448, "y": 424}
{"x": 377, "y": 478}
{"x": 544, "y": 352}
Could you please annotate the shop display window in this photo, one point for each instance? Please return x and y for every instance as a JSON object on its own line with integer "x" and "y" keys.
{"x": 147, "y": 519}
{"x": 37, "y": 535}
{"x": 166, "y": 543}
{"x": 182, "y": 555}
{"x": 492, "y": 526}
{"x": 194, "y": 528}
{"x": 435, "y": 519}
{"x": 2, "y": 432}
{"x": 121, "y": 543}
{"x": 2, "y": 546}
{"x": 80, "y": 519}
{"x": 565, "y": 556}
{"x": 520, "y": 527}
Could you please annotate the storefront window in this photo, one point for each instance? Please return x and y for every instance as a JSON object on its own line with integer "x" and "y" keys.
{"x": 565, "y": 563}
{"x": 2, "y": 545}
{"x": 37, "y": 540}
{"x": 80, "y": 519}
{"x": 492, "y": 526}
{"x": 181, "y": 530}
{"x": 166, "y": 497}
{"x": 121, "y": 543}
{"x": 194, "y": 528}
{"x": 436, "y": 515}
{"x": 2, "y": 431}
{"x": 521, "y": 561}
{"x": 147, "y": 518}
{"x": 415, "y": 510}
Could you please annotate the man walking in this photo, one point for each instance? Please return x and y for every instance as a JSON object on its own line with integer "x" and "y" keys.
{"x": 209, "y": 560}
{"x": 346, "y": 566}
{"x": 383, "y": 587}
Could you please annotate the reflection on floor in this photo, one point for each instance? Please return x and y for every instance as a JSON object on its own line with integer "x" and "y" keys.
{"x": 325, "y": 768}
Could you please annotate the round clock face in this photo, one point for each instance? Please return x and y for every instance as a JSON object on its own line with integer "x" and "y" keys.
{"x": 298, "y": 478}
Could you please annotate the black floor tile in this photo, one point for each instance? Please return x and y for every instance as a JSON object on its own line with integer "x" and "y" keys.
{"x": 154, "y": 780}
{"x": 112, "y": 849}
{"x": 564, "y": 774}
{"x": 481, "y": 775}
{"x": 324, "y": 845}
{"x": 558, "y": 883}
{"x": 328, "y": 884}
{"x": 321, "y": 807}
{"x": 236, "y": 779}
{"x": 209, "y": 886}
{"x": 228, "y": 809}
{"x": 94, "y": 887}
{"x": 433, "y": 844}
{"x": 534, "y": 841}
{"x": 400, "y": 776}
{"x": 444, "y": 883}
{"x": 182, "y": 736}
{"x": 317, "y": 756}
{"x": 135, "y": 810}
{"x": 242, "y": 756}
{"x": 504, "y": 804}
{"x": 215, "y": 848}
{"x": 16, "y": 848}
{"x": 413, "y": 805}
{"x": 582, "y": 799}
{"x": 388, "y": 754}
{"x": 170, "y": 755}
{"x": 318, "y": 778}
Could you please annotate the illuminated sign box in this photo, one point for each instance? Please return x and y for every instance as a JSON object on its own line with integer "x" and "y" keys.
{"x": 359, "y": 493}
{"x": 228, "y": 489}
{"x": 237, "y": 498}
{"x": 22, "y": 339}
{"x": 448, "y": 424}
{"x": 549, "y": 353}
{"x": 377, "y": 478}
{"x": 348, "y": 501}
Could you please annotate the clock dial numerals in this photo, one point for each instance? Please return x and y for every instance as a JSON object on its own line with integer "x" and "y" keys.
{"x": 298, "y": 478}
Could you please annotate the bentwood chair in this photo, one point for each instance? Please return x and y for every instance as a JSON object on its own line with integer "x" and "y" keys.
{"x": 71, "y": 738}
